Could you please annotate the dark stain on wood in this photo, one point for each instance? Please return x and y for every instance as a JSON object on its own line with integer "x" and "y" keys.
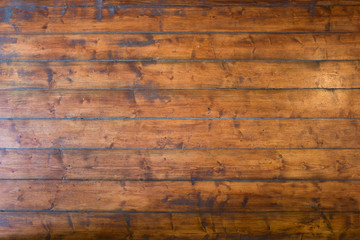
{"x": 78, "y": 42}
{"x": 4, "y": 222}
{"x": 6, "y": 40}
{"x": 179, "y": 119}
{"x": 245, "y": 201}
{"x": 127, "y": 43}
{"x": 181, "y": 201}
{"x": 70, "y": 222}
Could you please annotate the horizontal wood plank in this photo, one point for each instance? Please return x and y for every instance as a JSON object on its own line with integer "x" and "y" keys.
{"x": 309, "y": 46}
{"x": 129, "y": 3}
{"x": 181, "y": 74}
{"x": 180, "y": 164}
{"x": 181, "y": 134}
{"x": 181, "y": 104}
{"x": 178, "y": 196}
{"x": 179, "y": 19}
{"x": 252, "y": 226}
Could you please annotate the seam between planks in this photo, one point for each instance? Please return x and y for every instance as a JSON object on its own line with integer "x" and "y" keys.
{"x": 178, "y": 5}
{"x": 173, "y": 149}
{"x": 178, "y": 60}
{"x": 179, "y": 118}
{"x": 167, "y": 89}
{"x": 212, "y": 211}
{"x": 177, "y": 32}
{"x": 192, "y": 180}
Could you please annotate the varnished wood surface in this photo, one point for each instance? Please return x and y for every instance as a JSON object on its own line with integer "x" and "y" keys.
{"x": 180, "y": 74}
{"x": 205, "y": 119}
{"x": 218, "y": 46}
{"x": 179, "y": 196}
{"x": 128, "y": 3}
{"x": 261, "y": 225}
{"x": 181, "y": 133}
{"x": 181, "y": 104}
{"x": 178, "y": 19}
{"x": 180, "y": 164}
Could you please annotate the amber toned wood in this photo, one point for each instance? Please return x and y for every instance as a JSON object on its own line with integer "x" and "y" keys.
{"x": 308, "y": 46}
{"x": 181, "y": 74}
{"x": 179, "y": 19}
{"x": 179, "y": 195}
{"x": 180, "y": 164}
{"x": 181, "y": 134}
{"x": 129, "y": 3}
{"x": 179, "y": 119}
{"x": 181, "y": 104}
{"x": 308, "y": 225}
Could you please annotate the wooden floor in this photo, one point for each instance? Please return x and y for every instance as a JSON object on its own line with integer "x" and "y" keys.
{"x": 180, "y": 119}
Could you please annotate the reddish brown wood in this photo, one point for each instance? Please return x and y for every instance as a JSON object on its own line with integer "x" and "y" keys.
{"x": 179, "y": 196}
{"x": 181, "y": 74}
{"x": 180, "y": 164}
{"x": 105, "y": 3}
{"x": 181, "y": 133}
{"x": 37, "y": 19}
{"x": 217, "y": 46}
{"x": 308, "y": 225}
{"x": 69, "y": 172}
{"x": 181, "y": 104}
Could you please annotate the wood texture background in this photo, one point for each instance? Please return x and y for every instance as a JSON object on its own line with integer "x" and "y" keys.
{"x": 179, "y": 119}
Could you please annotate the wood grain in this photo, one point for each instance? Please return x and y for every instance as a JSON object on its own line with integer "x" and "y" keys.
{"x": 129, "y": 3}
{"x": 285, "y": 225}
{"x": 181, "y": 74}
{"x": 181, "y": 104}
{"x": 309, "y": 46}
{"x": 181, "y": 134}
{"x": 179, "y": 119}
{"x": 178, "y": 196}
{"x": 179, "y": 19}
{"x": 180, "y": 164}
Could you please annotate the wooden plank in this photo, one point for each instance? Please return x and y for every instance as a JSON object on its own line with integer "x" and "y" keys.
{"x": 179, "y": 19}
{"x": 178, "y": 196}
{"x": 129, "y": 3}
{"x": 309, "y": 46}
{"x": 181, "y": 133}
{"x": 181, "y": 74}
{"x": 180, "y": 164}
{"x": 309, "y": 225}
{"x": 181, "y": 104}
{"x": 31, "y": 164}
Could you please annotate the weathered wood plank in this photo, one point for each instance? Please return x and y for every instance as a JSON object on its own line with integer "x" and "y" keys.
{"x": 179, "y": 196}
{"x": 181, "y": 134}
{"x": 179, "y": 19}
{"x": 181, "y": 74}
{"x": 180, "y": 164}
{"x": 309, "y": 46}
{"x": 181, "y": 104}
{"x": 281, "y": 225}
{"x": 243, "y": 178}
{"x": 129, "y": 3}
